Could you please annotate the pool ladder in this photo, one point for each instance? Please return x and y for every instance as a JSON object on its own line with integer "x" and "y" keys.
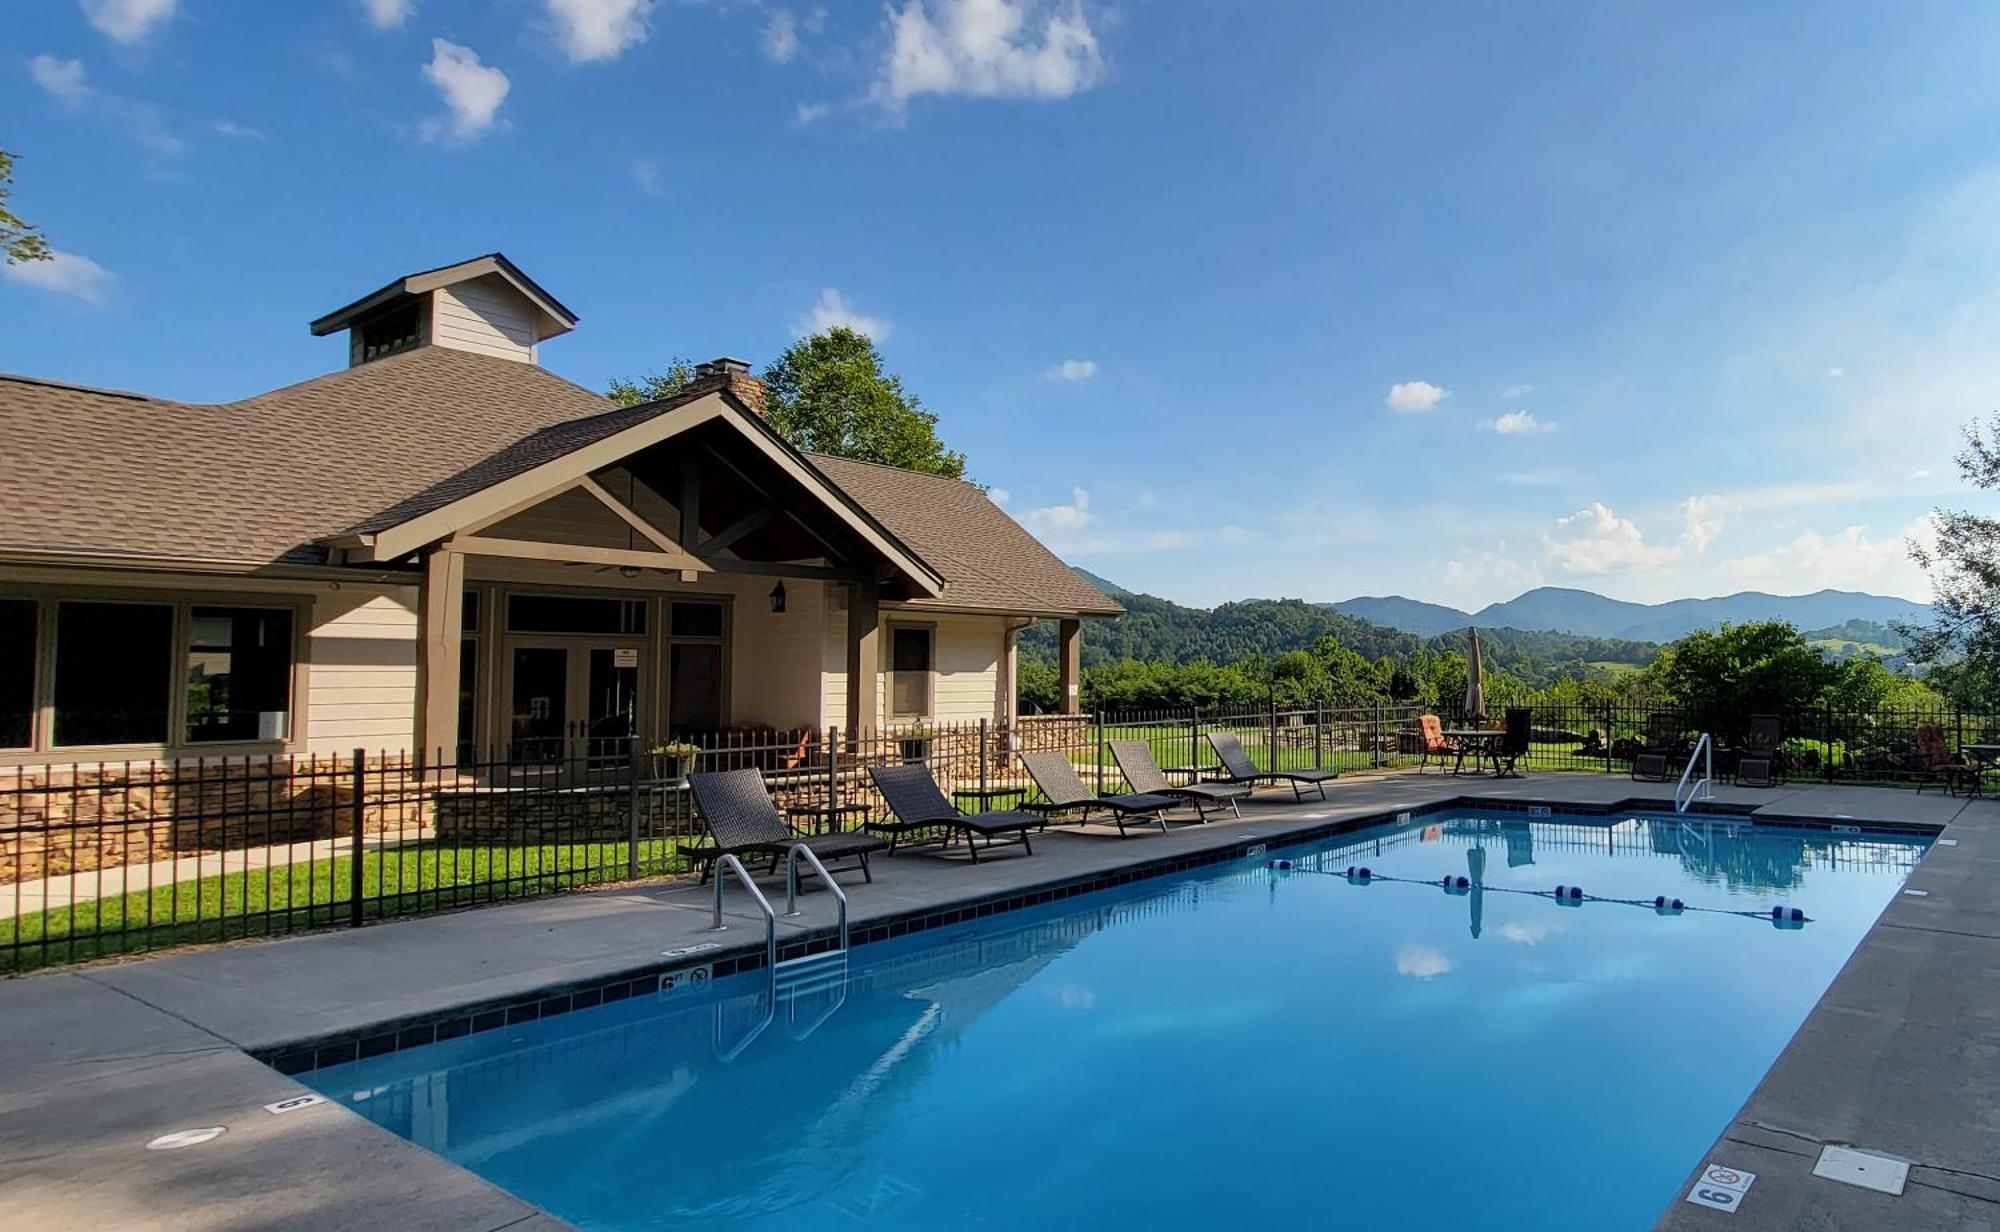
{"x": 796, "y": 980}
{"x": 1702, "y": 788}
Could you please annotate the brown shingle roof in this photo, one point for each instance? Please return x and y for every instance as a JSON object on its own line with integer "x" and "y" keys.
{"x": 264, "y": 479}
{"x": 988, "y": 560}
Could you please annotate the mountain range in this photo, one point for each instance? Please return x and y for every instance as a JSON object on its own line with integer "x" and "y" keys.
{"x": 1561, "y": 610}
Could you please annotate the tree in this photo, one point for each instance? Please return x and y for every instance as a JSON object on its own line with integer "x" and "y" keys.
{"x": 1726, "y": 675}
{"x": 653, "y": 386}
{"x": 22, "y": 240}
{"x": 1965, "y": 579}
{"x": 828, "y": 393}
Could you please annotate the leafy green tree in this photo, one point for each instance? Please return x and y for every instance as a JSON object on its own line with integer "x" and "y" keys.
{"x": 828, "y": 392}
{"x": 1726, "y": 675}
{"x": 1964, "y": 638}
{"x": 653, "y": 386}
{"x": 22, "y": 240}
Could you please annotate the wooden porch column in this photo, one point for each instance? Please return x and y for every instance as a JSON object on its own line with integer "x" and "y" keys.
{"x": 1069, "y": 666}
{"x": 864, "y": 643}
{"x": 442, "y": 617}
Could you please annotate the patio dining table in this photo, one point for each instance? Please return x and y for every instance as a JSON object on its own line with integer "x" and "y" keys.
{"x": 1478, "y": 744}
{"x": 1984, "y": 757}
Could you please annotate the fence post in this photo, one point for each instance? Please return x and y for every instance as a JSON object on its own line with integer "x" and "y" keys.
{"x": 1826, "y": 742}
{"x": 1194, "y": 744}
{"x": 354, "y": 878}
{"x": 833, "y": 769}
{"x": 1375, "y": 738}
{"x": 1271, "y": 746}
{"x": 1608, "y": 741}
{"x": 982, "y": 760}
{"x": 638, "y": 760}
{"x": 1098, "y": 718}
{"x": 1319, "y": 733}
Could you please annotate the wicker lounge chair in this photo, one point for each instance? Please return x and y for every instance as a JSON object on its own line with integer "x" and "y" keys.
{"x": 1941, "y": 766}
{"x": 739, "y": 812}
{"x": 1064, "y": 792}
{"x": 1238, "y": 768}
{"x": 1654, "y": 759}
{"x": 1135, "y": 761}
{"x": 919, "y": 804}
{"x": 1430, "y": 732}
{"x": 1757, "y": 765}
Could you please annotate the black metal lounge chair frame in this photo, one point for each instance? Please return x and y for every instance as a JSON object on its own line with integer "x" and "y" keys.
{"x": 918, "y": 804}
{"x": 1515, "y": 740}
{"x": 1760, "y": 762}
{"x": 1143, "y": 774}
{"x": 744, "y": 821}
{"x": 1064, "y": 792}
{"x": 1238, "y": 768}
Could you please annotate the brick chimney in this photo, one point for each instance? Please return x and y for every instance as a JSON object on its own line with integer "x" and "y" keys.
{"x": 732, "y": 375}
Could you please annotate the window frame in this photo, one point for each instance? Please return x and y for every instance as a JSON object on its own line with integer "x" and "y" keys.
{"x": 890, "y": 670}
{"x": 47, "y": 599}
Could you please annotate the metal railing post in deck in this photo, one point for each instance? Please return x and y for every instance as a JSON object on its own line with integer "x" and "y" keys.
{"x": 832, "y": 770}
{"x": 1194, "y": 743}
{"x": 1271, "y": 742}
{"x": 982, "y": 759}
{"x": 1375, "y": 738}
{"x": 1319, "y": 733}
{"x": 1827, "y": 742}
{"x": 1100, "y": 750}
{"x": 354, "y": 878}
{"x": 637, "y": 759}
{"x": 1608, "y": 742}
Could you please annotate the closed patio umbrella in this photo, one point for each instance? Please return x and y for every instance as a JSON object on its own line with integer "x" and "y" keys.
{"x": 1475, "y": 692}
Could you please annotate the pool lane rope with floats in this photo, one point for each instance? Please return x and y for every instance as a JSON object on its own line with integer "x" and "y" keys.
{"x": 1564, "y": 895}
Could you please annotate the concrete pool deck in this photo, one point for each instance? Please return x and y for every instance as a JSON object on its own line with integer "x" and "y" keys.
{"x": 105, "y": 1058}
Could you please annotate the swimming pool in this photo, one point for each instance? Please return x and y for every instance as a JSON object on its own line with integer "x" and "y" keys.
{"x": 1239, "y": 1044}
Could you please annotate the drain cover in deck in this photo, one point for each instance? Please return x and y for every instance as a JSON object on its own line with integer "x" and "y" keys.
{"x": 1864, "y": 1168}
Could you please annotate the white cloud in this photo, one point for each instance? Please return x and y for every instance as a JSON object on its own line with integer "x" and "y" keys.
{"x": 388, "y": 14}
{"x": 1421, "y": 962}
{"x": 127, "y": 21}
{"x": 65, "y": 273}
{"x": 598, "y": 29}
{"x": 833, "y": 309}
{"x": 1415, "y": 397}
{"x": 649, "y": 173}
{"x": 1514, "y": 392}
{"x": 1702, "y": 521}
{"x": 1835, "y": 373}
{"x": 1518, "y": 423}
{"x": 62, "y": 79}
{"x": 999, "y": 496}
{"x": 1922, "y": 472}
{"x": 472, "y": 92}
{"x": 780, "y": 37}
{"x": 1059, "y": 524}
{"x": 237, "y": 132}
{"x": 1848, "y": 559}
{"x": 988, "y": 49}
{"x": 809, "y": 112}
{"x": 1596, "y": 540}
{"x": 1073, "y": 370}
{"x": 1527, "y": 934}
{"x": 1471, "y": 575}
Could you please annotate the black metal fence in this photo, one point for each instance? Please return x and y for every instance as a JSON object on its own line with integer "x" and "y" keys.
{"x": 114, "y": 858}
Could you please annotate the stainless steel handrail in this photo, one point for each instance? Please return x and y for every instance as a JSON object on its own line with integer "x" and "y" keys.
{"x": 1704, "y": 788}
{"x": 792, "y": 885}
{"x": 715, "y": 924}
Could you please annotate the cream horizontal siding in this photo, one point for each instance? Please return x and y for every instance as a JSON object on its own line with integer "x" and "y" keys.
{"x": 485, "y": 316}
{"x": 775, "y": 656}
{"x": 362, "y": 670}
{"x": 967, "y": 655}
{"x": 572, "y": 517}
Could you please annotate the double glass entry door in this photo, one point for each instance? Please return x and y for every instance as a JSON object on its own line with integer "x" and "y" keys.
{"x": 574, "y": 703}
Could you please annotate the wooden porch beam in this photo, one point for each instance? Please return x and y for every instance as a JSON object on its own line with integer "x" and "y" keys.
{"x": 575, "y": 554}
{"x": 631, "y": 518}
{"x": 1069, "y": 666}
{"x": 864, "y": 641}
{"x": 441, "y": 600}
{"x": 817, "y": 573}
{"x": 742, "y": 526}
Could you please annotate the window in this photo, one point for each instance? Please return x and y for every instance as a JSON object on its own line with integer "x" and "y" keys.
{"x": 114, "y": 672}
{"x": 697, "y": 665}
{"x": 580, "y": 614}
{"x": 18, "y": 647}
{"x": 393, "y": 331}
{"x": 696, "y": 620}
{"x": 239, "y": 674}
{"x": 909, "y": 671}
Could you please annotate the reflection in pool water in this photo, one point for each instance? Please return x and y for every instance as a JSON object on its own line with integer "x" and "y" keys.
{"x": 1238, "y": 1044}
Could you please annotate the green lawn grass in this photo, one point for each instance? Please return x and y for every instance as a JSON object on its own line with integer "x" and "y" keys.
{"x": 317, "y": 894}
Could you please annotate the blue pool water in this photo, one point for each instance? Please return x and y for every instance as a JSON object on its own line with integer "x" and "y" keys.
{"x": 1238, "y": 1045}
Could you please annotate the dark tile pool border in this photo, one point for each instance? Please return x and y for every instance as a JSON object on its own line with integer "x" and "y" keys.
{"x": 728, "y": 960}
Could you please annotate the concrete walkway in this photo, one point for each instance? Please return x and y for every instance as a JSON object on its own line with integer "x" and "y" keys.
{"x": 103, "y": 1059}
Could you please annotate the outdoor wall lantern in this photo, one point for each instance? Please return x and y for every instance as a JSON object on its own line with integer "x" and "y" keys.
{"x": 778, "y": 597}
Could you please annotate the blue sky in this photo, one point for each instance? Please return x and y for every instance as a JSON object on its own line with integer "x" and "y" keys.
{"x": 1223, "y": 299}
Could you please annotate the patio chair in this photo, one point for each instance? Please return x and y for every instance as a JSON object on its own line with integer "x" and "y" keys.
{"x": 744, "y": 820}
{"x": 917, "y": 803}
{"x": 1143, "y": 774}
{"x": 1654, "y": 760}
{"x": 1940, "y": 766}
{"x": 1238, "y": 768}
{"x": 1516, "y": 735}
{"x": 1758, "y": 763}
{"x": 1430, "y": 733}
{"x": 1062, "y": 792}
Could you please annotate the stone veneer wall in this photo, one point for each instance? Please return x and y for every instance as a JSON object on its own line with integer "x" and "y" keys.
{"x": 70, "y": 819}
